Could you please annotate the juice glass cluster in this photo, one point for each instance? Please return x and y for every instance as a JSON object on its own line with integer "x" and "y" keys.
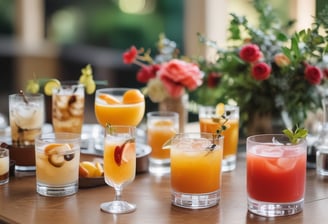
{"x": 57, "y": 163}
{"x": 196, "y": 170}
{"x": 276, "y": 173}
{"x": 68, "y": 107}
{"x": 210, "y": 122}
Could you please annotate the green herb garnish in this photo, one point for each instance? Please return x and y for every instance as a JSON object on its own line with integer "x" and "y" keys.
{"x": 295, "y": 136}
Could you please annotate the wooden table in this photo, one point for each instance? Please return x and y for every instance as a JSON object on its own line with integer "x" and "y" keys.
{"x": 19, "y": 203}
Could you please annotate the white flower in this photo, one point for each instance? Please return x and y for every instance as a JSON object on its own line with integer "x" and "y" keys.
{"x": 156, "y": 90}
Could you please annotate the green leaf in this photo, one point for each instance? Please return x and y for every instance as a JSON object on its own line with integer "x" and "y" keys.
{"x": 295, "y": 136}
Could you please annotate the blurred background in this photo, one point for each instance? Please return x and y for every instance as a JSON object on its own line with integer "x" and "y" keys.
{"x": 56, "y": 38}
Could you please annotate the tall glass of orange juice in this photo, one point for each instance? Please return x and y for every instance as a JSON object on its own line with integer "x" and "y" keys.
{"x": 161, "y": 126}
{"x": 119, "y": 165}
{"x": 119, "y": 106}
{"x": 210, "y": 122}
{"x": 196, "y": 169}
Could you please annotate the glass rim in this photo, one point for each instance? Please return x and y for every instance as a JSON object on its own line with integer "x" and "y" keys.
{"x": 162, "y": 113}
{"x": 62, "y": 136}
{"x": 114, "y": 89}
{"x": 265, "y": 138}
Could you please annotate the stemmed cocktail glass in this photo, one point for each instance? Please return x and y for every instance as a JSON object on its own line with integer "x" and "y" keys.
{"x": 119, "y": 110}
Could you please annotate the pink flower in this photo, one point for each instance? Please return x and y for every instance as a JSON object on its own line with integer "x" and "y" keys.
{"x": 250, "y": 53}
{"x": 261, "y": 71}
{"x": 130, "y": 56}
{"x": 313, "y": 74}
{"x": 281, "y": 60}
{"x": 177, "y": 74}
{"x": 147, "y": 72}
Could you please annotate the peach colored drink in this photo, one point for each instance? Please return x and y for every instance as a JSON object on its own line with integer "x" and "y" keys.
{"x": 209, "y": 123}
{"x": 196, "y": 170}
{"x": 57, "y": 158}
{"x": 119, "y": 106}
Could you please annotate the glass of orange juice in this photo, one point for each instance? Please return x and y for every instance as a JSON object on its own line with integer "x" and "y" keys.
{"x": 119, "y": 106}
{"x": 276, "y": 173}
{"x": 119, "y": 165}
{"x": 161, "y": 126}
{"x": 209, "y": 121}
{"x": 195, "y": 169}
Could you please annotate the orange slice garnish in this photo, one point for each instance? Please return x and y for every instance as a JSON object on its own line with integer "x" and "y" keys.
{"x": 133, "y": 96}
{"x": 219, "y": 109}
{"x": 128, "y": 152}
{"x": 108, "y": 99}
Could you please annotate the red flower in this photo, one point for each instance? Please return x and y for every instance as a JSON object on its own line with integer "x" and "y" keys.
{"x": 147, "y": 72}
{"x": 177, "y": 74}
{"x": 250, "y": 53}
{"x": 130, "y": 56}
{"x": 213, "y": 79}
{"x": 313, "y": 75}
{"x": 261, "y": 71}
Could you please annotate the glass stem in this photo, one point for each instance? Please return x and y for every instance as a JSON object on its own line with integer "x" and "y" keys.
{"x": 118, "y": 193}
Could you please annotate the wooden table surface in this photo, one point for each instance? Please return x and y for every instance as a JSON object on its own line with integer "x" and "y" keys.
{"x": 19, "y": 203}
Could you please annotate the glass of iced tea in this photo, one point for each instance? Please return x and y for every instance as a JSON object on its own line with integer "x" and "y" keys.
{"x": 119, "y": 165}
{"x": 161, "y": 126}
{"x": 26, "y": 116}
{"x": 4, "y": 165}
{"x": 276, "y": 173}
{"x": 210, "y": 122}
{"x": 57, "y": 158}
{"x": 195, "y": 169}
{"x": 68, "y": 107}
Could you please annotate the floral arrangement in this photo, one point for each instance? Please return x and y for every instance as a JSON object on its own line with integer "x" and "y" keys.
{"x": 266, "y": 71}
{"x": 167, "y": 75}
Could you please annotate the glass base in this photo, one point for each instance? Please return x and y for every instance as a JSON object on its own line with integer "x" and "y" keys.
{"x": 159, "y": 166}
{"x": 20, "y": 168}
{"x": 57, "y": 191}
{"x": 322, "y": 163}
{"x": 4, "y": 181}
{"x": 268, "y": 209}
{"x": 229, "y": 163}
{"x": 195, "y": 201}
{"x": 117, "y": 207}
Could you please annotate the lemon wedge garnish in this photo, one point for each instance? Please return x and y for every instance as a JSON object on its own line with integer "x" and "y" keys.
{"x": 50, "y": 85}
{"x": 219, "y": 109}
{"x": 32, "y": 86}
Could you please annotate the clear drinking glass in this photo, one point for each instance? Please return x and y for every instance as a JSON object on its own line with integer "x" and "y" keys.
{"x": 26, "y": 115}
{"x": 119, "y": 165}
{"x": 209, "y": 123}
{"x": 4, "y": 165}
{"x": 68, "y": 107}
{"x": 196, "y": 170}
{"x": 161, "y": 126}
{"x": 276, "y": 173}
{"x": 57, "y": 158}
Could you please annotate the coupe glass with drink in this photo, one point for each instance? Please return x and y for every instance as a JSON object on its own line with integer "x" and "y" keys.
{"x": 119, "y": 165}
{"x": 196, "y": 169}
{"x": 210, "y": 122}
{"x": 68, "y": 107}
{"x": 119, "y": 106}
{"x": 57, "y": 163}
{"x": 161, "y": 126}
{"x": 276, "y": 172}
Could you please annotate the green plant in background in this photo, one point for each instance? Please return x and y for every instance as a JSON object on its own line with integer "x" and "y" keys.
{"x": 264, "y": 69}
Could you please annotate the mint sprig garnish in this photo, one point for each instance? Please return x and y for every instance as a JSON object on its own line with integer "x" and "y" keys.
{"x": 295, "y": 136}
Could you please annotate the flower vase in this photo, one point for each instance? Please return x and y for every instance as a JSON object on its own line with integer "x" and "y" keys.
{"x": 179, "y": 105}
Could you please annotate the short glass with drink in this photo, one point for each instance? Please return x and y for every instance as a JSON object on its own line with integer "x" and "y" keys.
{"x": 276, "y": 173}
{"x": 195, "y": 169}
{"x": 210, "y": 122}
{"x": 68, "y": 107}
{"x": 4, "y": 165}
{"x": 57, "y": 163}
{"x": 161, "y": 126}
